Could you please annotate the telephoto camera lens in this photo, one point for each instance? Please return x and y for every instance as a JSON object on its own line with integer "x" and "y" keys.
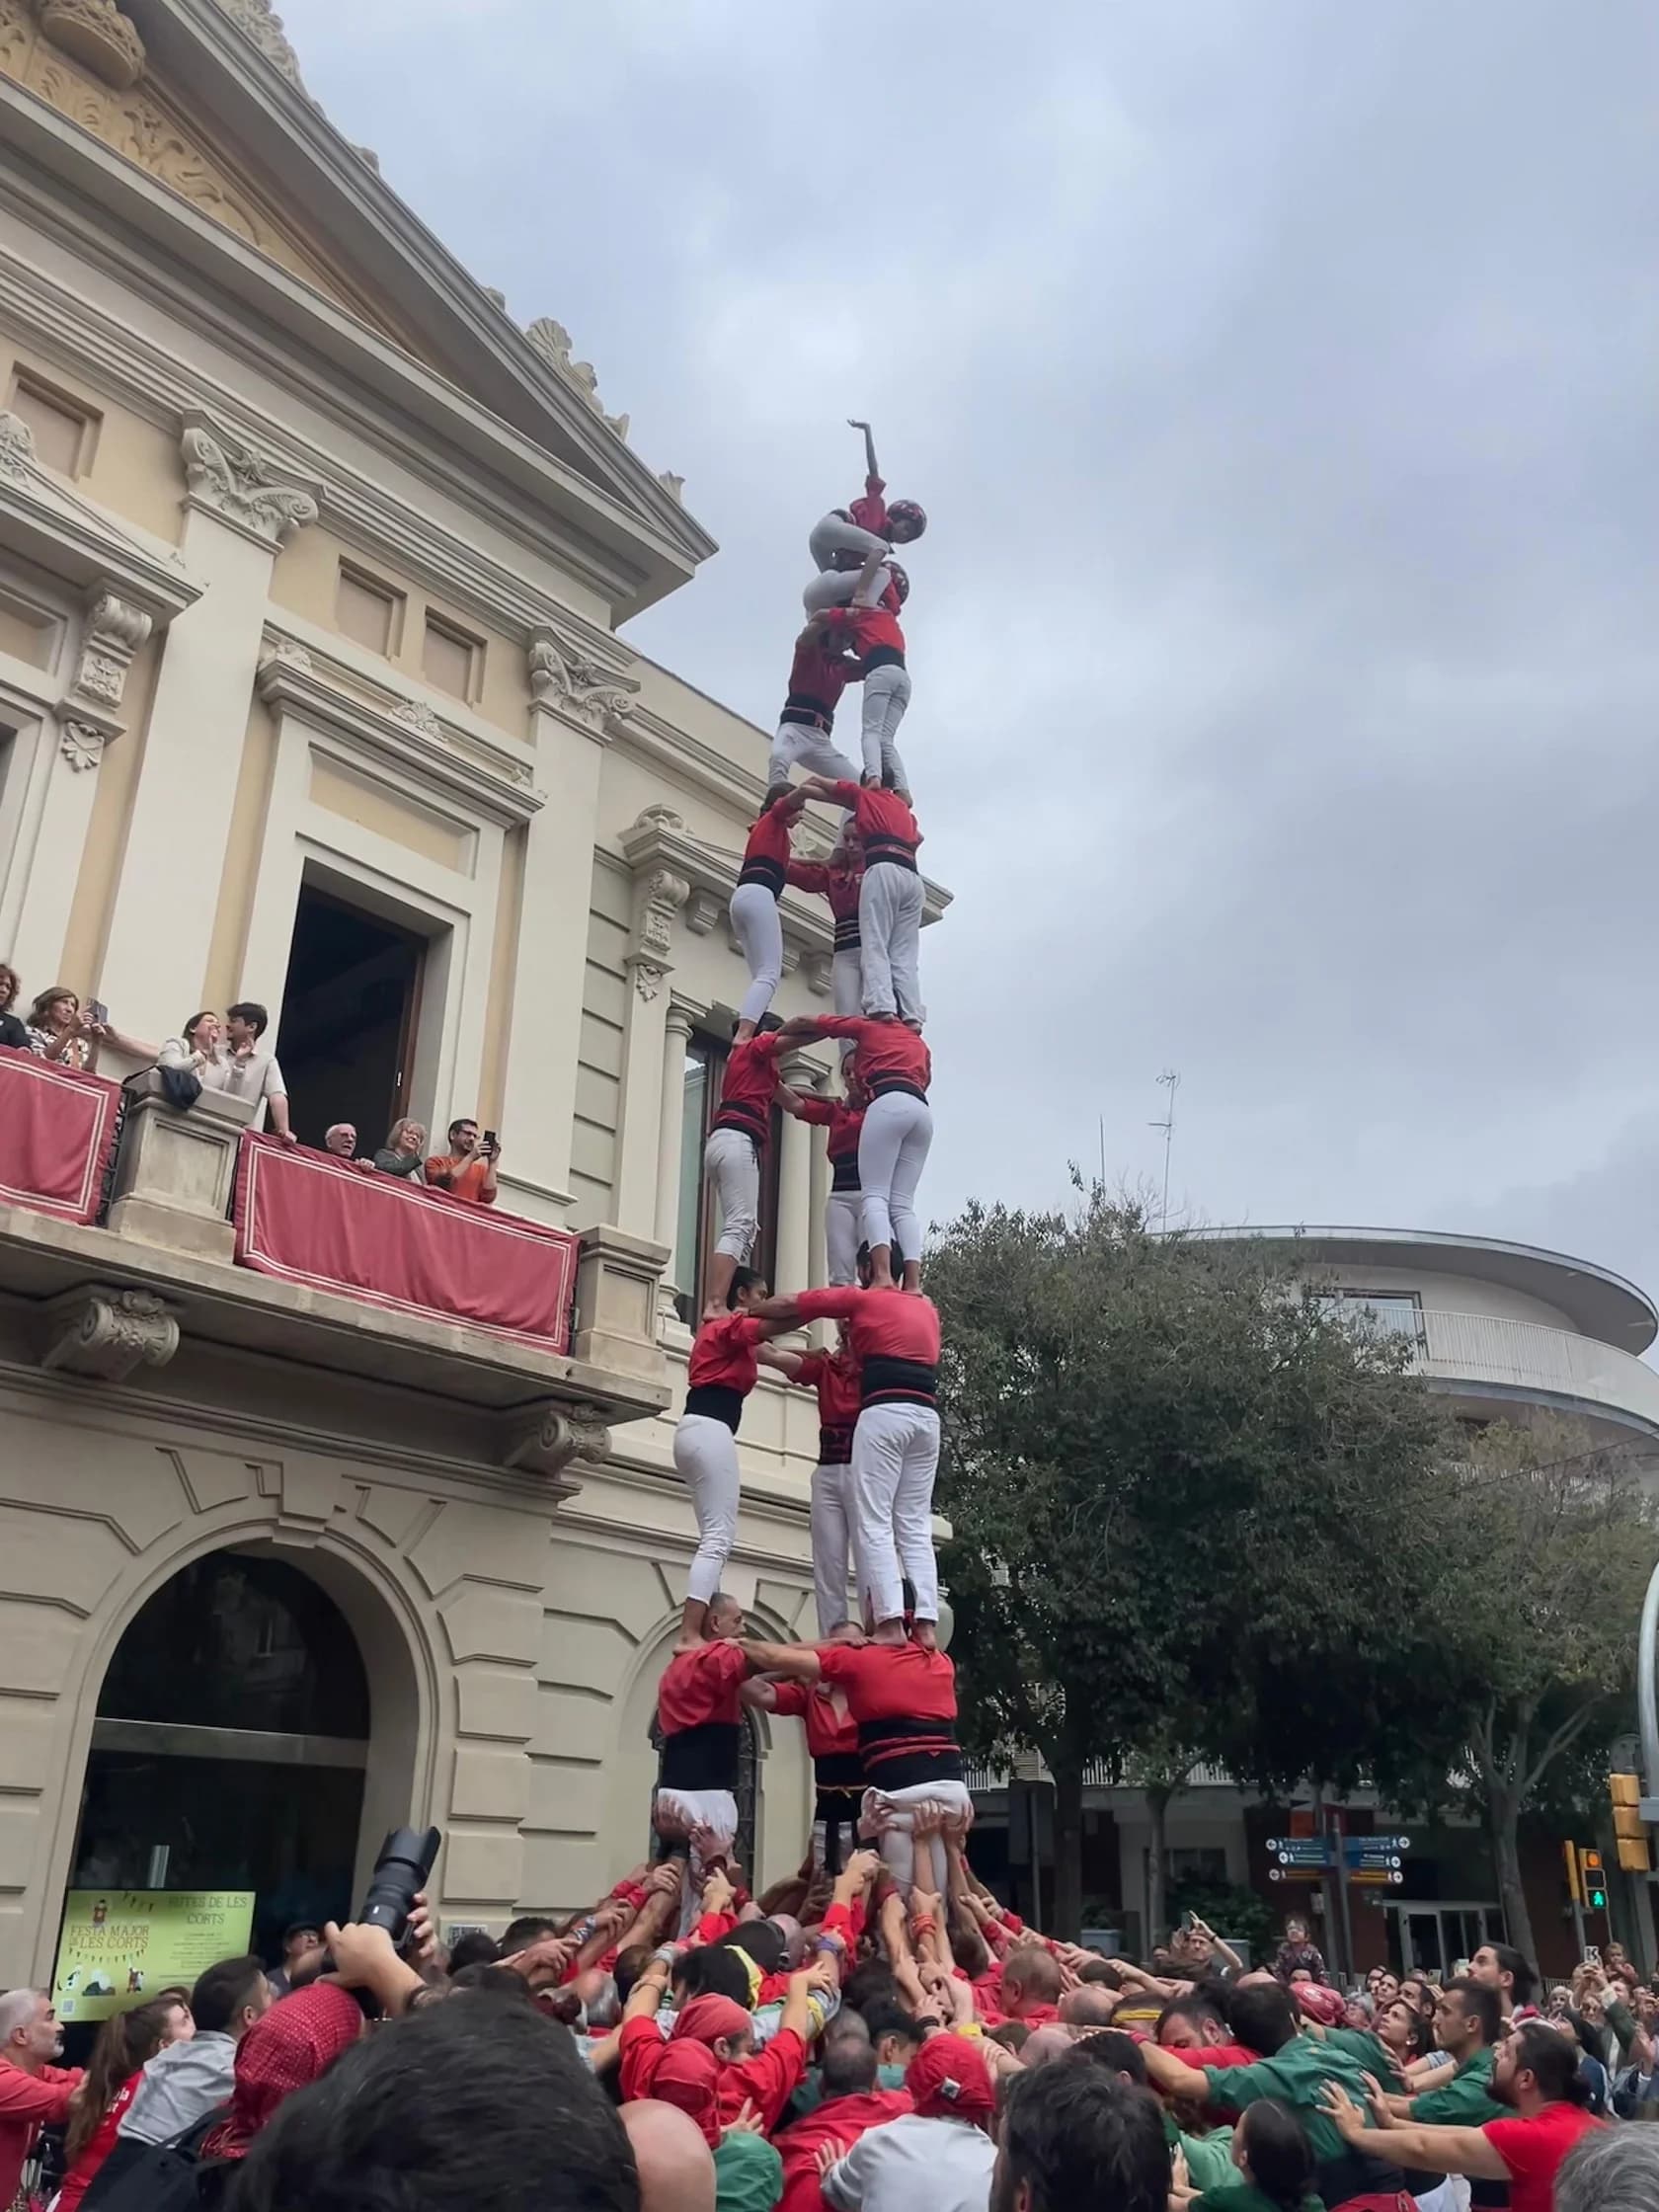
{"x": 400, "y": 1874}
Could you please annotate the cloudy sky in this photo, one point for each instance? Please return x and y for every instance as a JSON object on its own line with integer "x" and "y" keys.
{"x": 1280, "y": 378}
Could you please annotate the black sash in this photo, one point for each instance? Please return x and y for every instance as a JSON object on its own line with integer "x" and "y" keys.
{"x": 719, "y": 1401}
{"x": 903, "y": 1750}
{"x": 702, "y": 1758}
{"x": 885, "y": 1380}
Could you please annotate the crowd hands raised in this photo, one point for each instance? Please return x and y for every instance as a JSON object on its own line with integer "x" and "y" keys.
{"x": 847, "y": 2041}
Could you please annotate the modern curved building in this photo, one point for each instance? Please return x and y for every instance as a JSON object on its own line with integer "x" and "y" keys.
{"x": 1504, "y": 1329}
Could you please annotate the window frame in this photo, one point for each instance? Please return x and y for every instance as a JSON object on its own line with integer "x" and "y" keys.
{"x": 27, "y": 381}
{"x": 434, "y": 623}
{"x": 377, "y": 587}
{"x": 1354, "y": 1304}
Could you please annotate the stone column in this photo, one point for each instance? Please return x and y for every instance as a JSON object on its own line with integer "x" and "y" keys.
{"x": 795, "y": 1163}
{"x": 658, "y": 896}
{"x": 818, "y": 1247}
{"x": 574, "y": 705}
{"x": 241, "y": 513}
{"x": 670, "y": 1146}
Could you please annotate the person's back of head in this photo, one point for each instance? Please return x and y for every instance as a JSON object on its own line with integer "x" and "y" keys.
{"x": 1091, "y": 2006}
{"x": 675, "y": 2163}
{"x": 1611, "y": 2170}
{"x": 1278, "y": 2153}
{"x": 1262, "y": 2016}
{"x": 712, "y": 1970}
{"x": 873, "y": 1983}
{"x": 1031, "y": 1977}
{"x": 850, "y": 2057}
{"x": 968, "y": 1946}
{"x": 1519, "y": 1970}
{"x": 475, "y": 2101}
{"x": 477, "y": 1948}
{"x": 1115, "y": 2049}
{"x": 225, "y": 1993}
{"x": 529, "y": 1928}
{"x": 1074, "y": 2136}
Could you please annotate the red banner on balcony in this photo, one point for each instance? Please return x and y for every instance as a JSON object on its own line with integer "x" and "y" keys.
{"x": 56, "y": 1127}
{"x": 303, "y": 1216}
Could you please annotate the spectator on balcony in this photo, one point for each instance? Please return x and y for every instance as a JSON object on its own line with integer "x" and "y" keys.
{"x": 241, "y": 1069}
{"x": 13, "y": 1034}
{"x": 468, "y": 1168}
{"x": 193, "y": 1053}
{"x": 341, "y": 1139}
{"x": 401, "y": 1153}
{"x": 57, "y": 1030}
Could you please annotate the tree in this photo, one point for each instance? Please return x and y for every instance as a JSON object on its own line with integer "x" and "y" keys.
{"x": 1189, "y": 1503}
{"x": 1554, "y": 1539}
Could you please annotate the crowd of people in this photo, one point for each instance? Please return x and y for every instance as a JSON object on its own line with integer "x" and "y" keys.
{"x": 226, "y": 1053}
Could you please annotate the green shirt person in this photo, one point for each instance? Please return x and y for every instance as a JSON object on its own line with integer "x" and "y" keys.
{"x": 1275, "y": 2160}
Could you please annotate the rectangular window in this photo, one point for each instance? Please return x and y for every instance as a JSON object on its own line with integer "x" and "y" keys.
{"x": 1198, "y": 1862}
{"x": 369, "y": 611}
{"x": 29, "y": 632}
{"x": 63, "y": 428}
{"x": 1379, "y": 1312}
{"x": 698, "y": 1224}
{"x": 450, "y": 661}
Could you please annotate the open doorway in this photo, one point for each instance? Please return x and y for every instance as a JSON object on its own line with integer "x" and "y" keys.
{"x": 348, "y": 1010}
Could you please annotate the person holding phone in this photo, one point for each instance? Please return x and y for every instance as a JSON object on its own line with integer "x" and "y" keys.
{"x": 468, "y": 1169}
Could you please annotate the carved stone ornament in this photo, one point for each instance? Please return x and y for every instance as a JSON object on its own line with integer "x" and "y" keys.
{"x": 674, "y": 485}
{"x": 564, "y": 678}
{"x": 702, "y": 910}
{"x": 552, "y": 342}
{"x": 232, "y": 479}
{"x": 107, "y": 1333}
{"x": 548, "y": 1441}
{"x": 17, "y": 447}
{"x": 415, "y": 714}
{"x": 255, "y": 19}
{"x": 98, "y": 36}
{"x": 290, "y": 654}
{"x": 81, "y": 744}
{"x": 661, "y": 897}
{"x": 113, "y": 635}
{"x": 819, "y": 970}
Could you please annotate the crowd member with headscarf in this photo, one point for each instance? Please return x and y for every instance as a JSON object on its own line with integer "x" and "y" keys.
{"x": 941, "y": 2154}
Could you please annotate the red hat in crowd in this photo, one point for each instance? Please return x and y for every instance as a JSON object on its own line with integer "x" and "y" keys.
{"x": 950, "y": 2080}
{"x": 706, "y": 2018}
{"x": 291, "y": 2045}
{"x": 1326, "y": 2005}
{"x": 689, "y": 2075}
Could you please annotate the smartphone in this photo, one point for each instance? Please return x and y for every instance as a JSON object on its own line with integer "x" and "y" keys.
{"x": 490, "y": 1140}
{"x": 1593, "y": 1954}
{"x": 97, "y": 1010}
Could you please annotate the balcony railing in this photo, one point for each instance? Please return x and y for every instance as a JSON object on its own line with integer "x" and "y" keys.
{"x": 1528, "y": 1357}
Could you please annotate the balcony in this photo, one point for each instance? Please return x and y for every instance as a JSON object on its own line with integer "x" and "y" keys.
{"x": 1523, "y": 1360}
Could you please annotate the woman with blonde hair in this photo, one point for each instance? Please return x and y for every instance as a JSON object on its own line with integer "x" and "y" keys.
{"x": 11, "y": 1031}
{"x": 404, "y": 1150}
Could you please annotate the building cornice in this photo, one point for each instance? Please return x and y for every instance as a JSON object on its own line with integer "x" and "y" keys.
{"x": 53, "y": 527}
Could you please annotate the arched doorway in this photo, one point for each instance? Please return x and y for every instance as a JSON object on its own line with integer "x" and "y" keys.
{"x": 230, "y": 1745}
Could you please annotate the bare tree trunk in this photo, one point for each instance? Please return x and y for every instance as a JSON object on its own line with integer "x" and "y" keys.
{"x": 1067, "y": 1911}
{"x": 1157, "y": 1864}
{"x": 1503, "y": 1828}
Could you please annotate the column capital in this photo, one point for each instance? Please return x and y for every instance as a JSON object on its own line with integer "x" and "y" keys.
{"x": 569, "y": 682}
{"x": 681, "y": 1020}
{"x": 229, "y": 481}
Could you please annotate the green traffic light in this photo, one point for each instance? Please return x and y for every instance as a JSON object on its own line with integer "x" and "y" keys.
{"x": 1597, "y": 1900}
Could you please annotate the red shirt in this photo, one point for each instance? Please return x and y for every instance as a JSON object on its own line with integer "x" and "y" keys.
{"x": 829, "y": 1735}
{"x": 841, "y": 885}
{"x": 866, "y": 629}
{"x": 891, "y": 1681}
{"x": 818, "y": 676}
{"x": 765, "y": 857}
{"x": 844, "y": 1122}
{"x": 751, "y": 1081}
{"x": 1533, "y": 2151}
{"x": 842, "y": 2119}
{"x": 27, "y": 2101}
{"x": 869, "y": 513}
{"x": 881, "y": 1324}
{"x": 1218, "y": 2054}
{"x": 699, "y": 1686}
{"x": 889, "y": 1051}
{"x": 835, "y": 1377}
{"x": 880, "y": 816}
{"x": 724, "y": 1353}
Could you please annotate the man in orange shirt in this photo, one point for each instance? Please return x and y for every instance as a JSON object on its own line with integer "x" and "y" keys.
{"x": 33, "y": 2094}
{"x": 468, "y": 1169}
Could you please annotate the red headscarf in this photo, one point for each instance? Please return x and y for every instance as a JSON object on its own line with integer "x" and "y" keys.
{"x": 1321, "y": 2004}
{"x": 950, "y": 2080}
{"x": 709, "y": 2017}
{"x": 290, "y": 2046}
{"x": 687, "y": 2075}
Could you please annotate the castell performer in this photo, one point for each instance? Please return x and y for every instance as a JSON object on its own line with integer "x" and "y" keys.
{"x": 894, "y": 1066}
{"x": 699, "y": 1715}
{"x": 839, "y": 883}
{"x": 874, "y": 634}
{"x": 903, "y": 1698}
{"x": 894, "y": 1336}
{"x": 837, "y": 1765}
{"x": 818, "y": 676}
{"x": 847, "y": 537}
{"x": 842, "y": 1120}
{"x": 890, "y": 897}
{"x": 755, "y": 901}
{"x": 730, "y": 1349}
{"x": 731, "y": 1153}
{"x": 835, "y": 1377}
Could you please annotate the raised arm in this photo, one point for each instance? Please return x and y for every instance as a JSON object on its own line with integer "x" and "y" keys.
{"x": 870, "y": 468}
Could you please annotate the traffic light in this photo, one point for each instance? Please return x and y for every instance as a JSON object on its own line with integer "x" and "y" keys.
{"x": 1628, "y": 1828}
{"x": 1595, "y": 1881}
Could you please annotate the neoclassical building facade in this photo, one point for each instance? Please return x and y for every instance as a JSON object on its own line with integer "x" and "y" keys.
{"x": 312, "y": 567}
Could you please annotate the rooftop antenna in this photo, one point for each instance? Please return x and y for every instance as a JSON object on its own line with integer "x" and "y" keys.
{"x": 1171, "y": 1077}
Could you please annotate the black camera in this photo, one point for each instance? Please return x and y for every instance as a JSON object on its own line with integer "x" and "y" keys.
{"x": 400, "y": 1874}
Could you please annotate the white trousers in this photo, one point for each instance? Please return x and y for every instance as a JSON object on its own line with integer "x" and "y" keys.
{"x": 678, "y": 1813}
{"x": 890, "y": 954}
{"x": 895, "y": 1458}
{"x": 843, "y": 1228}
{"x": 799, "y": 744}
{"x": 846, "y": 981}
{"x": 892, "y": 1150}
{"x": 838, "y": 587}
{"x": 886, "y": 693}
{"x": 890, "y": 1812}
{"x": 759, "y": 931}
{"x": 833, "y": 587}
{"x": 733, "y": 1166}
{"x": 831, "y": 1545}
{"x": 705, "y": 1456}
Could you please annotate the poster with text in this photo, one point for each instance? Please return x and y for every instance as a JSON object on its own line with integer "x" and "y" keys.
{"x": 120, "y": 1946}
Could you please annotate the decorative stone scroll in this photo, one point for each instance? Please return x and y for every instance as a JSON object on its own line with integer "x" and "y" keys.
{"x": 564, "y": 678}
{"x": 552, "y": 342}
{"x": 113, "y": 635}
{"x": 233, "y": 481}
{"x": 107, "y": 1333}
{"x": 662, "y": 894}
{"x": 98, "y": 36}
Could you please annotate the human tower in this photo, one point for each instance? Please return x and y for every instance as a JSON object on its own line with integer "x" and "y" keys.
{"x": 888, "y": 1735}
